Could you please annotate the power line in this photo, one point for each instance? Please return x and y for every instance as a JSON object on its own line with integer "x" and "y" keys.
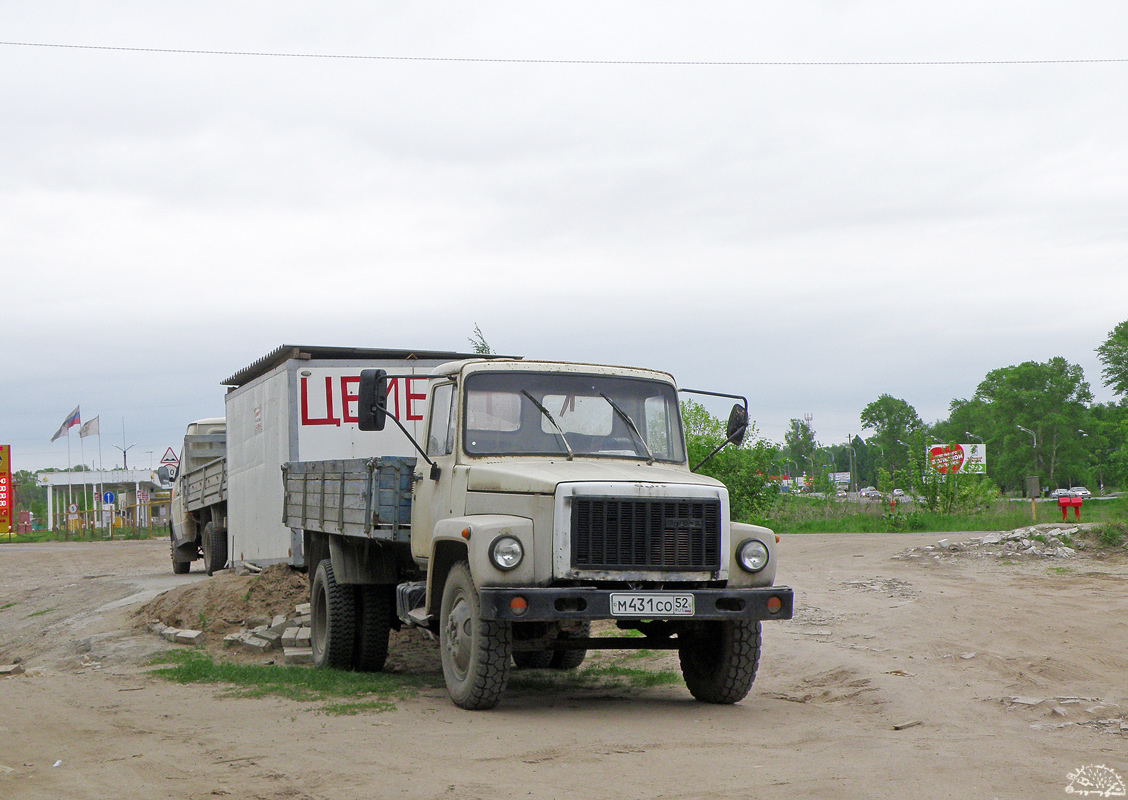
{"x": 609, "y": 62}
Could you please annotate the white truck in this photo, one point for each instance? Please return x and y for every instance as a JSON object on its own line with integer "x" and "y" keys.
{"x": 543, "y": 496}
{"x": 297, "y": 402}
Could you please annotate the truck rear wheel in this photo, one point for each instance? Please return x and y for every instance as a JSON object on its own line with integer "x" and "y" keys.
{"x": 332, "y": 610}
{"x": 373, "y": 623}
{"x": 719, "y": 660}
{"x": 533, "y": 659}
{"x": 571, "y": 659}
{"x": 475, "y": 652}
{"x": 213, "y": 542}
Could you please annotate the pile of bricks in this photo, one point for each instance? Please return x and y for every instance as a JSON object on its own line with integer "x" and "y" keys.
{"x": 260, "y": 634}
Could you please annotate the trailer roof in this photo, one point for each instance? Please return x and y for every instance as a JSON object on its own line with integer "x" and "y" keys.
{"x": 284, "y": 353}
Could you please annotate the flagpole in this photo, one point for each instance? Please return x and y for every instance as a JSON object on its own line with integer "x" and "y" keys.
{"x": 70, "y": 491}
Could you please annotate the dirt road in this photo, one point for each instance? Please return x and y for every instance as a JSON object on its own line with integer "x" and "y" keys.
{"x": 1016, "y": 671}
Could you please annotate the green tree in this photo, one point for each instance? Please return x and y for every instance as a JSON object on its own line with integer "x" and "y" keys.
{"x": 800, "y": 445}
{"x": 744, "y": 470}
{"x": 1113, "y": 353}
{"x": 895, "y": 424}
{"x": 1050, "y": 399}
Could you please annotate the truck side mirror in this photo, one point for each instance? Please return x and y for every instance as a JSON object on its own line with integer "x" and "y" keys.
{"x": 737, "y": 424}
{"x": 372, "y": 402}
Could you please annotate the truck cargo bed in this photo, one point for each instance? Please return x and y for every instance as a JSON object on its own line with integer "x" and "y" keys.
{"x": 367, "y": 497}
{"x": 206, "y": 485}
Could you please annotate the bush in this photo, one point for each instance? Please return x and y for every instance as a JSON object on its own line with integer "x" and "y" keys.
{"x": 1111, "y": 534}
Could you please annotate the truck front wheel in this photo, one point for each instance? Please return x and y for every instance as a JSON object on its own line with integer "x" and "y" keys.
{"x": 332, "y": 611}
{"x": 475, "y": 652}
{"x": 719, "y": 660}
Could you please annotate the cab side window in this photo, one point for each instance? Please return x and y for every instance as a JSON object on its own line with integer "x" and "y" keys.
{"x": 440, "y": 427}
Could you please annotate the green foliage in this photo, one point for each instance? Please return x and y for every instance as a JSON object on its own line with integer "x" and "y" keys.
{"x": 478, "y": 342}
{"x": 742, "y": 469}
{"x": 1112, "y": 534}
{"x": 1113, "y": 353}
{"x": 1050, "y": 399}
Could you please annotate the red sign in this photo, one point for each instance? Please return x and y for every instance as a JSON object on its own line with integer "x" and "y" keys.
{"x": 7, "y": 497}
{"x": 945, "y": 458}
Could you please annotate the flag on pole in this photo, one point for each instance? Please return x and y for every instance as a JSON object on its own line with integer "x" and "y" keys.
{"x": 71, "y": 420}
{"x": 88, "y": 429}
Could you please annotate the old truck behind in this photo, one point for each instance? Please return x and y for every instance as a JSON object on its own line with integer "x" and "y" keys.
{"x": 543, "y": 496}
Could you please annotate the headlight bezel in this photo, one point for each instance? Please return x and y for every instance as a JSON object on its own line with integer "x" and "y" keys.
{"x": 748, "y": 560}
{"x": 509, "y": 541}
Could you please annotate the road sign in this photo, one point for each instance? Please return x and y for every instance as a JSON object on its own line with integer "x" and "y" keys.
{"x": 169, "y": 457}
{"x": 142, "y": 497}
{"x": 72, "y": 508}
{"x": 108, "y": 497}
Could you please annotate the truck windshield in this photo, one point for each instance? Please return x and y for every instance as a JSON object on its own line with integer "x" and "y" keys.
{"x": 548, "y": 413}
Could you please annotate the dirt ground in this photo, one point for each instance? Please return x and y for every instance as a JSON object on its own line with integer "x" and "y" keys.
{"x": 940, "y": 675}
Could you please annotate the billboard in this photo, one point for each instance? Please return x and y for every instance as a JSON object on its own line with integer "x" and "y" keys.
{"x": 7, "y": 496}
{"x": 952, "y": 459}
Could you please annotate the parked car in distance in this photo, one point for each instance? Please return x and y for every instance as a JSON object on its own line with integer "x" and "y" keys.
{"x": 898, "y": 492}
{"x": 869, "y": 491}
{"x": 1056, "y": 493}
{"x": 1081, "y": 491}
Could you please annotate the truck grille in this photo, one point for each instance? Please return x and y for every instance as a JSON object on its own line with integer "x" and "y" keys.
{"x": 671, "y": 535}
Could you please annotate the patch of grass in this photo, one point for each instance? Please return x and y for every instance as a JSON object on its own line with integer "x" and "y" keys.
{"x": 41, "y": 613}
{"x": 352, "y": 709}
{"x": 810, "y": 515}
{"x": 364, "y": 691}
{"x": 8, "y": 605}
{"x": 1062, "y": 570}
{"x": 1111, "y": 534}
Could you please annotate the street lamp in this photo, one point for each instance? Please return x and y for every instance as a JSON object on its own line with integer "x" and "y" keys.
{"x": 973, "y": 436}
{"x": 1100, "y": 469}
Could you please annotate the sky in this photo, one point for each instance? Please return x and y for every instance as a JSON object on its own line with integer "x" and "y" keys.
{"x": 808, "y": 234}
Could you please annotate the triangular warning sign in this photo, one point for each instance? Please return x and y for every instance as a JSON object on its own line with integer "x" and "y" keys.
{"x": 170, "y": 457}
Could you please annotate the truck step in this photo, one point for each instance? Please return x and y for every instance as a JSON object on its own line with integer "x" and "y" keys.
{"x": 411, "y": 603}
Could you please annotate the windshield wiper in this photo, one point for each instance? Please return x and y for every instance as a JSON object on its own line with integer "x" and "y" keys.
{"x": 551, "y": 419}
{"x": 630, "y": 424}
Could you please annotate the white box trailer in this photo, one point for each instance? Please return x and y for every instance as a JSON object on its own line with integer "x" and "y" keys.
{"x": 298, "y": 403}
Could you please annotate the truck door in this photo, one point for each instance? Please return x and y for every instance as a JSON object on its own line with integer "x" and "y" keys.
{"x": 431, "y": 500}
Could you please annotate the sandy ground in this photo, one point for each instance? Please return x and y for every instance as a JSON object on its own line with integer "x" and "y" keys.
{"x": 1017, "y": 673}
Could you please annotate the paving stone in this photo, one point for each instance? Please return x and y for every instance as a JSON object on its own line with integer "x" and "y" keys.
{"x": 255, "y": 643}
{"x": 257, "y": 620}
{"x": 169, "y": 634}
{"x": 268, "y": 635}
{"x": 17, "y": 669}
{"x": 301, "y": 608}
{"x": 232, "y": 640}
{"x": 189, "y": 637}
{"x": 295, "y": 637}
{"x": 297, "y": 655}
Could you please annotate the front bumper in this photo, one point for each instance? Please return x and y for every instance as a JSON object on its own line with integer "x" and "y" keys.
{"x": 554, "y": 604}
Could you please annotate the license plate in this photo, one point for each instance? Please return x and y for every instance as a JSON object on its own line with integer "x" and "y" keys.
{"x": 651, "y": 604}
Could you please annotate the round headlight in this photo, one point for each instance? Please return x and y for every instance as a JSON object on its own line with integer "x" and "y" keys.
{"x": 506, "y": 553}
{"x": 752, "y": 555}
